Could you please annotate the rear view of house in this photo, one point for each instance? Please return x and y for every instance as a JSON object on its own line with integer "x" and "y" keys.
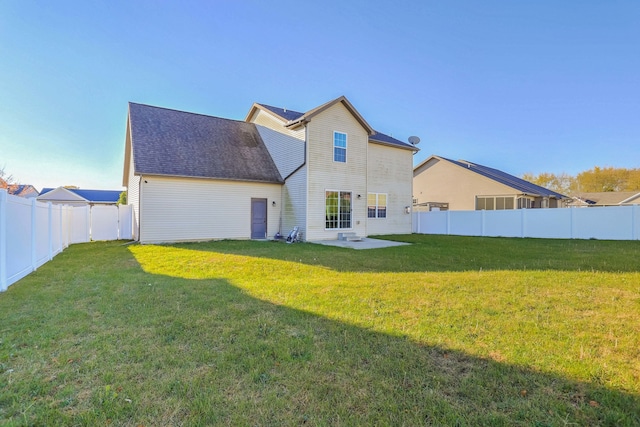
{"x": 327, "y": 171}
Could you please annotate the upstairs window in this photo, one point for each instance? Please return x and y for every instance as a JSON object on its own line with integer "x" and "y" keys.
{"x": 339, "y": 147}
{"x": 376, "y": 205}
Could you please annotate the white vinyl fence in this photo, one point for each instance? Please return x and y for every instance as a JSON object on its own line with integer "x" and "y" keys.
{"x": 606, "y": 223}
{"x": 32, "y": 232}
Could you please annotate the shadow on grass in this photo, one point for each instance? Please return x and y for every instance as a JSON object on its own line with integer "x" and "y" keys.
{"x": 432, "y": 253}
{"x": 118, "y": 345}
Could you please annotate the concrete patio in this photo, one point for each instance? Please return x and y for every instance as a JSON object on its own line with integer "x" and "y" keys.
{"x": 365, "y": 243}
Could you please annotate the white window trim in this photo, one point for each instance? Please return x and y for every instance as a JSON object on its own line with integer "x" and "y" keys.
{"x": 325, "y": 205}
{"x": 386, "y": 205}
{"x": 346, "y": 145}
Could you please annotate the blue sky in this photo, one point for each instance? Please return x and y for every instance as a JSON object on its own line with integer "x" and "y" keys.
{"x": 540, "y": 86}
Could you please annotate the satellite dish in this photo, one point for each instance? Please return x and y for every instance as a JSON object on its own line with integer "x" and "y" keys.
{"x": 414, "y": 140}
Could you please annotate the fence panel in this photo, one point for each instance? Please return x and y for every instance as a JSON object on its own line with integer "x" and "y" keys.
{"x": 503, "y": 224}
{"x": 80, "y": 224}
{"x": 465, "y": 223}
{"x": 592, "y": 224}
{"x": 18, "y": 239}
{"x": 104, "y": 223}
{"x": 125, "y": 220}
{"x": 607, "y": 223}
{"x": 32, "y": 233}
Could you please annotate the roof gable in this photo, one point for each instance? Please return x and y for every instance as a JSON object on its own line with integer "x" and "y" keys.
{"x": 176, "y": 143}
{"x": 306, "y": 117}
{"x": 60, "y": 193}
{"x": 294, "y": 119}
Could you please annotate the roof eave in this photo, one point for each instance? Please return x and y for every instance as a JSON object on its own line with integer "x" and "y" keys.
{"x": 257, "y": 106}
{"x": 281, "y": 181}
{"x": 389, "y": 144}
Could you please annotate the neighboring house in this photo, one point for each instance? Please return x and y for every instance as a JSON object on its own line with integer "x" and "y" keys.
{"x": 327, "y": 171}
{"x": 440, "y": 184}
{"x": 78, "y": 197}
{"x": 22, "y": 190}
{"x": 606, "y": 198}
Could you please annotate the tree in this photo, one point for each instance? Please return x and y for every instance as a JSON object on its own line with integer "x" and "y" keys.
{"x": 609, "y": 179}
{"x": 4, "y": 176}
{"x": 122, "y": 200}
{"x": 5, "y": 179}
{"x": 563, "y": 183}
{"x": 594, "y": 180}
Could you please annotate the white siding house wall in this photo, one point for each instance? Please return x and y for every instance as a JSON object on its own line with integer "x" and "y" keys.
{"x": 133, "y": 197}
{"x": 325, "y": 174}
{"x": 390, "y": 171}
{"x": 186, "y": 209}
{"x": 294, "y": 203}
{"x": 287, "y": 152}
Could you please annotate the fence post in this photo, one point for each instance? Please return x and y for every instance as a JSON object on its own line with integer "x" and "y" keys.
{"x": 633, "y": 222}
{"x": 50, "y": 229}
{"x": 3, "y": 240}
{"x": 571, "y": 219}
{"x": 34, "y": 233}
{"x": 448, "y": 222}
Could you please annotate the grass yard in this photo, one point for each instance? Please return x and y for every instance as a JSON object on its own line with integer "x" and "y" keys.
{"x": 447, "y": 331}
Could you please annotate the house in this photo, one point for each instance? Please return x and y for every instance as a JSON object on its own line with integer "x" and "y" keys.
{"x": 327, "y": 171}
{"x": 22, "y": 190}
{"x": 440, "y": 184}
{"x": 78, "y": 197}
{"x": 606, "y": 198}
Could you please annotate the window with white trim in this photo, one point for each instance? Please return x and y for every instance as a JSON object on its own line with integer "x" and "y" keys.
{"x": 339, "y": 147}
{"x": 337, "y": 209}
{"x": 494, "y": 203}
{"x": 376, "y": 205}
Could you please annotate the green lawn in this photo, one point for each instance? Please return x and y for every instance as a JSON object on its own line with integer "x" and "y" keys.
{"x": 446, "y": 331}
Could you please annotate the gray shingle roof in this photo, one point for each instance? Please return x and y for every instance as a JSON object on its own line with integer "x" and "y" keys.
{"x": 510, "y": 180}
{"x": 381, "y": 137}
{"x": 176, "y": 143}
{"x": 292, "y": 116}
{"x": 283, "y": 112}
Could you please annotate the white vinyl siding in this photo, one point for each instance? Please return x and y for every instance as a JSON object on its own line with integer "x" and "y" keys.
{"x": 286, "y": 151}
{"x": 133, "y": 197}
{"x": 294, "y": 202}
{"x": 185, "y": 209}
{"x": 391, "y": 173}
{"x": 324, "y": 173}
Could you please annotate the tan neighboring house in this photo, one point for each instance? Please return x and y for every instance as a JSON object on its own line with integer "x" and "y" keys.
{"x": 78, "y": 197}
{"x": 327, "y": 171}
{"x": 443, "y": 184}
{"x": 606, "y": 198}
